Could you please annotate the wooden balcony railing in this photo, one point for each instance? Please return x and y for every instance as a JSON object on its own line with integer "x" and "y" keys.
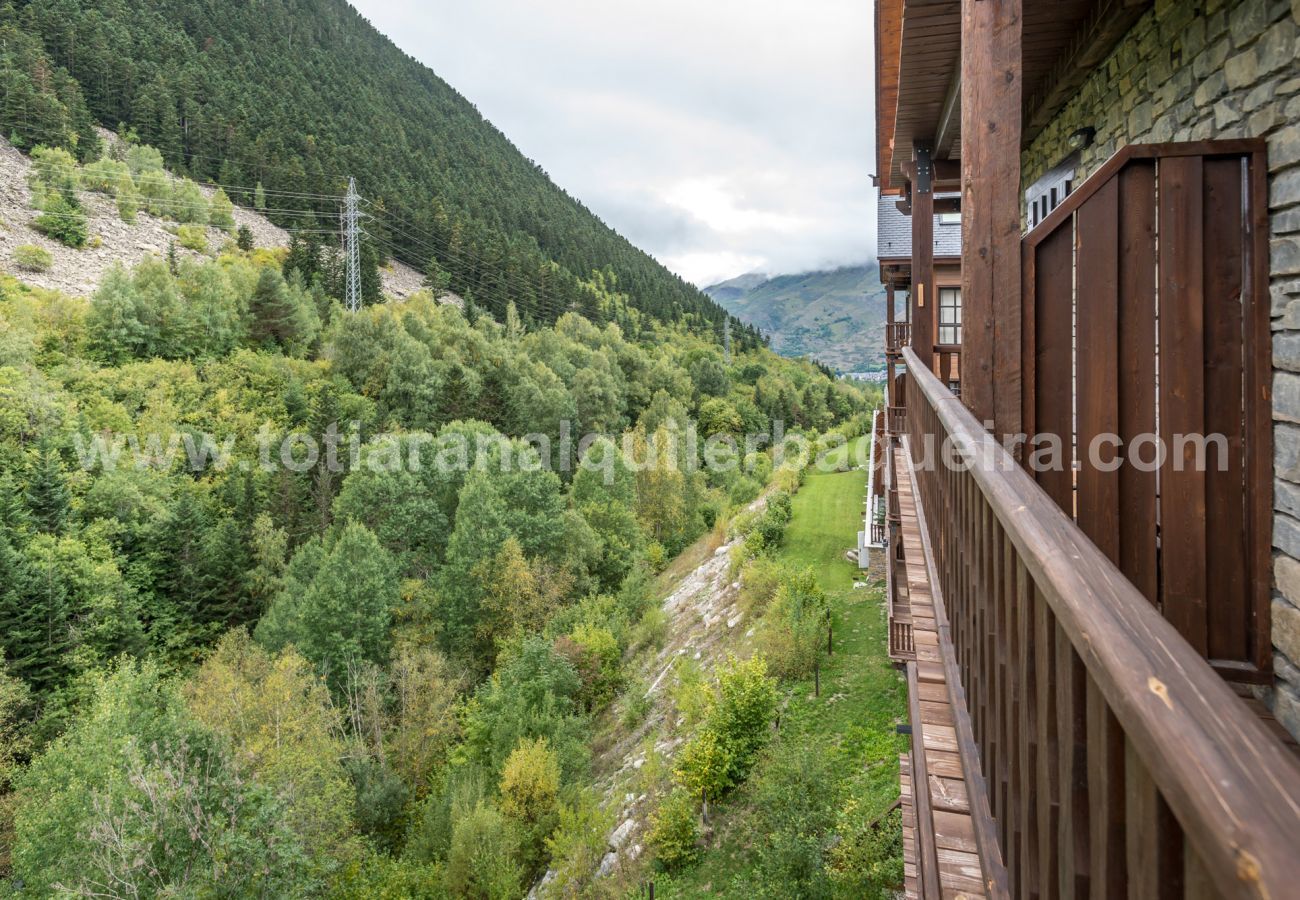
{"x": 1116, "y": 762}
{"x": 897, "y": 417}
{"x": 897, "y": 336}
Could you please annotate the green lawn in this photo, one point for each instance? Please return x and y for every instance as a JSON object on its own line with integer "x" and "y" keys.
{"x": 862, "y": 697}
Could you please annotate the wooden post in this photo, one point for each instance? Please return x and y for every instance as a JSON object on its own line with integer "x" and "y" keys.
{"x": 830, "y": 640}
{"x": 991, "y": 83}
{"x": 889, "y": 358}
{"x": 817, "y": 678}
{"x": 923, "y": 299}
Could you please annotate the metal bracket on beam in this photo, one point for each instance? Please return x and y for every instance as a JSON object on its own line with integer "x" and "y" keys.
{"x": 924, "y": 170}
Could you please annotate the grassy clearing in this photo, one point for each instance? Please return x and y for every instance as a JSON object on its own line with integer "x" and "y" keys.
{"x": 851, "y": 723}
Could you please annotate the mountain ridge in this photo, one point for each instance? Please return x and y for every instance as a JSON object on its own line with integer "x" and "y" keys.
{"x": 297, "y": 95}
{"x": 836, "y": 316}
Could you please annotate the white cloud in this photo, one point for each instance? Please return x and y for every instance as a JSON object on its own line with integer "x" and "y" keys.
{"x": 722, "y": 136}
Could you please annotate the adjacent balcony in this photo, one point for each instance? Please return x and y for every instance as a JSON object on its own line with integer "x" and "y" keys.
{"x": 897, "y": 336}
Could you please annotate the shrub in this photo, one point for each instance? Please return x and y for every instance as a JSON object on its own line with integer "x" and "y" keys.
{"x": 193, "y": 237}
{"x": 244, "y": 238}
{"x": 128, "y": 203}
{"x": 62, "y": 219}
{"x": 55, "y": 169}
{"x": 595, "y": 655}
{"x": 691, "y": 696}
{"x": 759, "y": 582}
{"x": 651, "y": 630}
{"x": 742, "y": 715}
{"x": 794, "y": 819}
{"x": 221, "y": 212}
{"x": 31, "y": 258}
{"x": 142, "y": 159}
{"x": 636, "y": 705}
{"x": 656, "y": 556}
{"x": 187, "y": 203}
{"x": 704, "y": 766}
{"x": 530, "y": 786}
{"x": 674, "y": 831}
{"x": 577, "y": 845}
{"x": 794, "y": 629}
{"x": 105, "y": 176}
{"x": 530, "y": 781}
{"x": 481, "y": 861}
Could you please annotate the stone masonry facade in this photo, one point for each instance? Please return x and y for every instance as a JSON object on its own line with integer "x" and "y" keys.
{"x": 1207, "y": 69}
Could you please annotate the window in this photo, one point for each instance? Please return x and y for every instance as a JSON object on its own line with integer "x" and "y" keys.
{"x": 950, "y": 315}
{"x": 950, "y": 218}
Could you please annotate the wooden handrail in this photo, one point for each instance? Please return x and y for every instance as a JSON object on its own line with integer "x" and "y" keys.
{"x": 1089, "y": 710}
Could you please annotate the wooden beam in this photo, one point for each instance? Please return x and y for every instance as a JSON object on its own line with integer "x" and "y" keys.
{"x": 950, "y": 120}
{"x": 923, "y": 299}
{"x": 941, "y": 205}
{"x": 945, "y": 174}
{"x": 991, "y": 77}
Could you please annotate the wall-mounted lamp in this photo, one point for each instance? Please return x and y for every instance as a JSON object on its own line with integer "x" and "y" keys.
{"x": 1082, "y": 138}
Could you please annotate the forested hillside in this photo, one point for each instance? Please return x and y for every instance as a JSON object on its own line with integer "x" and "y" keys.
{"x": 212, "y": 532}
{"x": 836, "y": 316}
{"x": 301, "y": 602}
{"x": 296, "y": 95}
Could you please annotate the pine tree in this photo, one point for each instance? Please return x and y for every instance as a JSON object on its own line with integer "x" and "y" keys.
{"x": 20, "y": 632}
{"x": 436, "y": 278}
{"x": 47, "y": 490}
{"x": 273, "y": 310}
{"x": 371, "y": 284}
{"x": 224, "y": 564}
{"x": 244, "y": 239}
{"x": 259, "y": 198}
{"x": 324, "y": 414}
{"x": 304, "y": 255}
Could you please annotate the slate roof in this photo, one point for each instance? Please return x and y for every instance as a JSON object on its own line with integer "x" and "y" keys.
{"x": 894, "y": 232}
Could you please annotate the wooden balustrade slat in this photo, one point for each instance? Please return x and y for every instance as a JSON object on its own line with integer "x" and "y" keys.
{"x": 1258, "y": 378}
{"x": 1072, "y": 757}
{"x": 1226, "y": 560}
{"x": 1048, "y": 789}
{"x": 1155, "y": 842}
{"x": 1097, "y": 364}
{"x": 1136, "y": 354}
{"x": 1181, "y": 397}
{"x": 1054, "y": 317}
{"x": 1027, "y": 696}
{"x": 1106, "y": 840}
{"x": 1006, "y": 746}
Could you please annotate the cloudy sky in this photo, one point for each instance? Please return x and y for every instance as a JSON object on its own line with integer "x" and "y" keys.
{"x": 723, "y": 136}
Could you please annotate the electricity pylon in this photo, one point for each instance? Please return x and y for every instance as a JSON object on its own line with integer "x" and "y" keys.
{"x": 352, "y": 248}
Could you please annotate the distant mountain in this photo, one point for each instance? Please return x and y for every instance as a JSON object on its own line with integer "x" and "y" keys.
{"x": 837, "y": 316}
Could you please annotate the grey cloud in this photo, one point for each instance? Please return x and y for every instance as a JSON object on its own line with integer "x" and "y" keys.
{"x": 718, "y": 135}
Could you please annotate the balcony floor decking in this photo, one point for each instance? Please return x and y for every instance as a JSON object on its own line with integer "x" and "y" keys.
{"x": 945, "y": 801}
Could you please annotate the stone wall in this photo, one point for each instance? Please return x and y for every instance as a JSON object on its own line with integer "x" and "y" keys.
{"x": 1197, "y": 70}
